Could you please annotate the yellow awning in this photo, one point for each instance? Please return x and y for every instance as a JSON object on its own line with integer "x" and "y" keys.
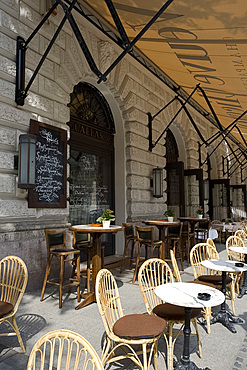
{"x": 194, "y": 42}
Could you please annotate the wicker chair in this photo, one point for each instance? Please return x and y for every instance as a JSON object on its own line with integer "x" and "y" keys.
{"x": 13, "y": 282}
{"x": 242, "y": 235}
{"x": 56, "y": 247}
{"x": 145, "y": 237}
{"x": 63, "y": 349}
{"x": 152, "y": 273}
{"x": 176, "y": 273}
{"x": 236, "y": 242}
{"x": 125, "y": 331}
{"x": 129, "y": 240}
{"x": 201, "y": 252}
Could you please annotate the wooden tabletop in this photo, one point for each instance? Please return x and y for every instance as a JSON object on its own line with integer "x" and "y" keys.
{"x": 160, "y": 223}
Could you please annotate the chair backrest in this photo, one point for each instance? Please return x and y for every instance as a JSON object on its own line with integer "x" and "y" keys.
{"x": 80, "y": 238}
{"x": 145, "y": 234}
{"x": 176, "y": 272}
{"x": 204, "y": 225}
{"x": 55, "y": 238}
{"x": 108, "y": 299}
{"x": 63, "y": 349}
{"x": 201, "y": 252}
{"x": 13, "y": 280}
{"x": 236, "y": 242}
{"x": 216, "y": 223}
{"x": 176, "y": 230}
{"x": 241, "y": 234}
{"x": 128, "y": 230}
{"x": 210, "y": 242}
{"x": 153, "y": 272}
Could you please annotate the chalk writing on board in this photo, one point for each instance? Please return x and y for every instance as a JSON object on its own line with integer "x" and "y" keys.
{"x": 81, "y": 195}
{"x": 49, "y": 166}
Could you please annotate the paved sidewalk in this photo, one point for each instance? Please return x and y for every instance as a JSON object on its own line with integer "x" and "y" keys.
{"x": 222, "y": 350}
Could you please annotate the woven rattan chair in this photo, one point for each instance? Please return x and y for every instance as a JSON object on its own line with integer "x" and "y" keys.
{"x": 152, "y": 273}
{"x": 235, "y": 241}
{"x": 176, "y": 273}
{"x": 13, "y": 282}
{"x": 204, "y": 251}
{"x": 56, "y": 247}
{"x": 129, "y": 241}
{"x": 63, "y": 349}
{"x": 145, "y": 237}
{"x": 242, "y": 235}
{"x": 126, "y": 331}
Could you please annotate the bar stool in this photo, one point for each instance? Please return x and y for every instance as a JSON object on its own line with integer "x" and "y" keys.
{"x": 56, "y": 247}
{"x": 174, "y": 241}
{"x": 145, "y": 237}
{"x": 82, "y": 242}
{"x": 129, "y": 240}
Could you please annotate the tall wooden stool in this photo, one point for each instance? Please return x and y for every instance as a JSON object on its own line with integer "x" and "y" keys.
{"x": 56, "y": 247}
{"x": 129, "y": 240}
{"x": 83, "y": 244}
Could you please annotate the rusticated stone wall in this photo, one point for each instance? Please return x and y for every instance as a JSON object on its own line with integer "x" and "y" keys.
{"x": 130, "y": 89}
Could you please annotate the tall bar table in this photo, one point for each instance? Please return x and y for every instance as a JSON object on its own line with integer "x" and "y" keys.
{"x": 96, "y": 233}
{"x": 186, "y": 295}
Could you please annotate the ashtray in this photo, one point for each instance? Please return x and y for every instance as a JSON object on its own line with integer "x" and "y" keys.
{"x": 95, "y": 225}
{"x": 239, "y": 264}
{"x": 204, "y": 296}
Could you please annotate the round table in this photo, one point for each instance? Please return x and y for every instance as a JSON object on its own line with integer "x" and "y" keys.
{"x": 224, "y": 316}
{"x": 95, "y": 233}
{"x": 244, "y": 251}
{"x": 186, "y": 295}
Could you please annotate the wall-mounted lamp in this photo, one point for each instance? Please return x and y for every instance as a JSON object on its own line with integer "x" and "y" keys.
{"x": 206, "y": 189}
{"x": 158, "y": 182}
{"x": 27, "y": 161}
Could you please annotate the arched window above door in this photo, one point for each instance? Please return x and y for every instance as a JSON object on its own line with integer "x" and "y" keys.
{"x": 87, "y": 104}
{"x": 172, "y": 152}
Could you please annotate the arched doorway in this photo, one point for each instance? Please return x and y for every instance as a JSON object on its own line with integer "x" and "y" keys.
{"x": 174, "y": 176}
{"x": 91, "y": 180}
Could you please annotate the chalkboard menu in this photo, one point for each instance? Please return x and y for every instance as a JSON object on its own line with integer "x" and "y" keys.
{"x": 51, "y": 166}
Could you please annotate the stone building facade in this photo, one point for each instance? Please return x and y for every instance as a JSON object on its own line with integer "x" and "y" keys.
{"x": 130, "y": 90}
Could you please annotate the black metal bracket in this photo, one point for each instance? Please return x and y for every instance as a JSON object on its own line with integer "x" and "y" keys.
{"x": 21, "y": 91}
{"x": 151, "y": 118}
{"x": 134, "y": 41}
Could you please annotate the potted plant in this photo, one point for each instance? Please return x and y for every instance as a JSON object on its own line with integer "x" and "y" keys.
{"x": 169, "y": 213}
{"x": 106, "y": 217}
{"x": 199, "y": 212}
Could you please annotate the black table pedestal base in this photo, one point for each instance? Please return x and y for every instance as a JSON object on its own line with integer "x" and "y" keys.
{"x": 226, "y": 319}
{"x": 189, "y": 366}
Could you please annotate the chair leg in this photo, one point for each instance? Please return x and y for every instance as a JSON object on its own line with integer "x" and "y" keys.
{"x": 124, "y": 254}
{"x": 144, "y": 354}
{"x": 180, "y": 253}
{"x": 132, "y": 253}
{"x": 156, "y": 366}
{"x": 207, "y": 317}
{"x": 170, "y": 346}
{"x": 88, "y": 271}
{"x": 47, "y": 272}
{"x": 18, "y": 334}
{"x": 102, "y": 257}
{"x": 78, "y": 259}
{"x": 137, "y": 261}
{"x": 61, "y": 280}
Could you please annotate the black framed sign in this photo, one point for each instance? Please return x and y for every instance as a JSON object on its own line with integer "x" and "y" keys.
{"x": 51, "y": 167}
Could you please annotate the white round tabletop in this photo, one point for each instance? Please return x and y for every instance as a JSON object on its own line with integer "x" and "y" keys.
{"x": 222, "y": 265}
{"x": 239, "y": 249}
{"x": 99, "y": 229}
{"x": 186, "y": 294}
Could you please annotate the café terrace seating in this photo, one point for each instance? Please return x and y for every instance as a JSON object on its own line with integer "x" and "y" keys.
{"x": 13, "y": 282}
{"x": 129, "y": 242}
{"x": 153, "y": 273}
{"x": 134, "y": 334}
{"x": 63, "y": 349}
{"x": 204, "y": 251}
{"x": 56, "y": 247}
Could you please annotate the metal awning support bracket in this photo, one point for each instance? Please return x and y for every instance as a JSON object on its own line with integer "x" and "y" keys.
{"x": 21, "y": 91}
